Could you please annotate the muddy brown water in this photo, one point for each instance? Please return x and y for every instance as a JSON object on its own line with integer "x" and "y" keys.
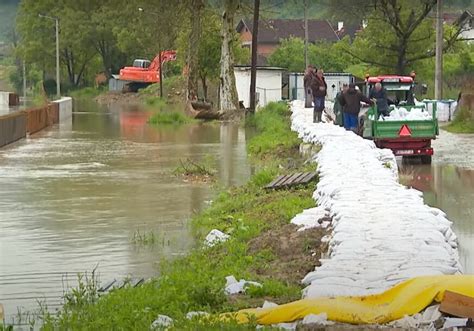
{"x": 72, "y": 197}
{"x": 448, "y": 184}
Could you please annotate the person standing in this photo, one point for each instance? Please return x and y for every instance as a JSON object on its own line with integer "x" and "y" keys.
{"x": 379, "y": 94}
{"x": 338, "y": 108}
{"x": 319, "y": 89}
{"x": 350, "y": 102}
{"x": 307, "y": 79}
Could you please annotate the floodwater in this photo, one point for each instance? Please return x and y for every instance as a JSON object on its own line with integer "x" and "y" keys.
{"x": 448, "y": 184}
{"x": 73, "y": 196}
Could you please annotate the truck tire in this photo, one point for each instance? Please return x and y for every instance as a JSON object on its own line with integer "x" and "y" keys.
{"x": 426, "y": 159}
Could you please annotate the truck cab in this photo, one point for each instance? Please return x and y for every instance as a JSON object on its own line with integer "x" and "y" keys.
{"x": 407, "y": 136}
{"x": 140, "y": 63}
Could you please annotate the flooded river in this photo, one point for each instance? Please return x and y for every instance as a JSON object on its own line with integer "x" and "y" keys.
{"x": 448, "y": 184}
{"x": 73, "y": 196}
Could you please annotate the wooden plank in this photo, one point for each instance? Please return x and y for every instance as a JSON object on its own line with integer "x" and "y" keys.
{"x": 293, "y": 179}
{"x": 137, "y": 281}
{"x": 309, "y": 177}
{"x": 283, "y": 179}
{"x": 289, "y": 180}
{"x": 457, "y": 305}
{"x": 107, "y": 286}
{"x": 300, "y": 177}
{"x": 274, "y": 181}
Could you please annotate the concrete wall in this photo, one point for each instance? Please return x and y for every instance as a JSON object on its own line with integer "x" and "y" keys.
{"x": 65, "y": 109}
{"x": 12, "y": 127}
{"x": 4, "y": 98}
{"x": 16, "y": 125}
{"x": 269, "y": 83}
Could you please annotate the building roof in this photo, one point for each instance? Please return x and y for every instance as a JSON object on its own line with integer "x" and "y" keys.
{"x": 273, "y": 30}
{"x": 457, "y": 18}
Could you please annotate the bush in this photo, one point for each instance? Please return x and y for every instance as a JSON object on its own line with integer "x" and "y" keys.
{"x": 273, "y": 125}
{"x": 170, "y": 118}
{"x": 463, "y": 122}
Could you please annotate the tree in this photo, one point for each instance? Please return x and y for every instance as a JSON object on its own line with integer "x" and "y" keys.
{"x": 209, "y": 51}
{"x": 325, "y": 55}
{"x": 399, "y": 33}
{"x": 195, "y": 7}
{"x": 37, "y": 38}
{"x": 228, "y": 100}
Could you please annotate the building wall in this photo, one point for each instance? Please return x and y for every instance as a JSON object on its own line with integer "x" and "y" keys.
{"x": 266, "y": 49}
{"x": 268, "y": 86}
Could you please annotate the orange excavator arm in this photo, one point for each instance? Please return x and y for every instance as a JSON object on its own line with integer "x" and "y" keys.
{"x": 166, "y": 56}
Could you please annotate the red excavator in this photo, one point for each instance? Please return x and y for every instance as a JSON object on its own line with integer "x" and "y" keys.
{"x": 144, "y": 72}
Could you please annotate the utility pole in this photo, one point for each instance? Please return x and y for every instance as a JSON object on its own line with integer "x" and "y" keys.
{"x": 161, "y": 74}
{"x": 305, "y": 33}
{"x": 24, "y": 83}
{"x": 439, "y": 51}
{"x": 253, "y": 70}
{"x": 58, "y": 82}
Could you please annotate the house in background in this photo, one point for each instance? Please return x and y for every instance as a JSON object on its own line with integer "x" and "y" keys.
{"x": 271, "y": 32}
{"x": 465, "y": 20}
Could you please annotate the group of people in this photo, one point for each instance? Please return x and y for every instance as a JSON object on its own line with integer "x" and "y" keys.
{"x": 347, "y": 103}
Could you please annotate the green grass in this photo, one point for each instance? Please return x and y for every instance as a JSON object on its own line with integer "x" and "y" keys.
{"x": 272, "y": 123}
{"x": 155, "y": 102}
{"x": 196, "y": 282}
{"x": 86, "y": 93}
{"x": 462, "y": 123}
{"x": 169, "y": 118}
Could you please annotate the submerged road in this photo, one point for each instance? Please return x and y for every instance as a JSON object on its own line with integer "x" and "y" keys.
{"x": 448, "y": 184}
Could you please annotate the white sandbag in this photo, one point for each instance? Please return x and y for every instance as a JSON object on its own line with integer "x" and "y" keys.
{"x": 382, "y": 232}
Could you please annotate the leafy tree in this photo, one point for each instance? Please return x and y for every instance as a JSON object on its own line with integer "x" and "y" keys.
{"x": 325, "y": 55}
{"x": 399, "y": 34}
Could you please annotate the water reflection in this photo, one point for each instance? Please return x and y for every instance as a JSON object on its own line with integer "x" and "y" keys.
{"x": 451, "y": 189}
{"x": 72, "y": 197}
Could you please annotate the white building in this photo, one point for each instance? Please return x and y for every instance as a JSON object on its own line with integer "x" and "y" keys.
{"x": 334, "y": 80}
{"x": 268, "y": 84}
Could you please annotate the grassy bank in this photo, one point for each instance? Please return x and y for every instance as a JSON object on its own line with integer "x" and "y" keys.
{"x": 462, "y": 123}
{"x": 87, "y": 92}
{"x": 263, "y": 247}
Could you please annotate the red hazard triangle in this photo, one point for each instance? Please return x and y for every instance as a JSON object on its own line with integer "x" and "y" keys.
{"x": 404, "y": 131}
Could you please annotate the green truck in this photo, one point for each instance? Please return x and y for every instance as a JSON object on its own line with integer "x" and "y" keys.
{"x": 405, "y": 137}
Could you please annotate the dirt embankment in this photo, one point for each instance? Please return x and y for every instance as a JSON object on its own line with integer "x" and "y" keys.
{"x": 110, "y": 98}
{"x": 296, "y": 252}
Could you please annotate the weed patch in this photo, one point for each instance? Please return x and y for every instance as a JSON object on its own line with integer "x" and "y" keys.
{"x": 169, "y": 118}
{"x": 86, "y": 93}
{"x": 463, "y": 122}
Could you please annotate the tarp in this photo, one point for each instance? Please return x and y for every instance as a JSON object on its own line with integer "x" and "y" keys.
{"x": 407, "y": 298}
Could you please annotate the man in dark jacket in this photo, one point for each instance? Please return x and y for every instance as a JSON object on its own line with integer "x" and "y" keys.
{"x": 351, "y": 102}
{"x": 319, "y": 88}
{"x": 308, "y": 77}
{"x": 380, "y": 95}
{"x": 338, "y": 108}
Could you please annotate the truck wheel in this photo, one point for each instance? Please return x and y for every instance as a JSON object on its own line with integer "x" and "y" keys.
{"x": 426, "y": 159}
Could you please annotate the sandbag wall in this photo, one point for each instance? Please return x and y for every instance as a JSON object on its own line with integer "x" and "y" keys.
{"x": 12, "y": 127}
